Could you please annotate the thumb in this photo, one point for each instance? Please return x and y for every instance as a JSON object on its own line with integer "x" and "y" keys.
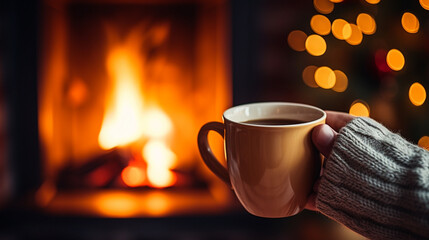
{"x": 323, "y": 137}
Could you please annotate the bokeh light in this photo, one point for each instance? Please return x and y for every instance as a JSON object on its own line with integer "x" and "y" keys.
{"x": 296, "y": 40}
{"x": 336, "y": 1}
{"x": 308, "y": 76}
{"x": 320, "y": 24}
{"x": 424, "y": 4}
{"x": 359, "y": 108}
{"x": 325, "y": 77}
{"x": 417, "y": 94}
{"x": 366, "y": 23}
{"x": 356, "y": 36}
{"x": 323, "y": 6}
{"x": 372, "y": 1}
{"x": 341, "y": 81}
{"x": 395, "y": 60}
{"x": 424, "y": 142}
{"x": 347, "y": 31}
{"x": 410, "y": 23}
{"x": 315, "y": 45}
{"x": 338, "y": 27}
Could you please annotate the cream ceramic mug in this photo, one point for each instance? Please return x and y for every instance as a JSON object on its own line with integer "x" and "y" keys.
{"x": 272, "y": 165}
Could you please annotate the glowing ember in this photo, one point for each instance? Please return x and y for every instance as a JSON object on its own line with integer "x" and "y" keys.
{"x": 133, "y": 176}
{"x": 160, "y": 159}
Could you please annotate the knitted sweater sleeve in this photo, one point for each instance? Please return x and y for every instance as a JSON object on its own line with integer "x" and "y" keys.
{"x": 376, "y": 183}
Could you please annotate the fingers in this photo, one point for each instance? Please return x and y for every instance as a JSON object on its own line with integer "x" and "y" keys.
{"x": 323, "y": 137}
{"x": 337, "y": 120}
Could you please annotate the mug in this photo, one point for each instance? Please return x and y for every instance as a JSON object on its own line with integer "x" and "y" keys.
{"x": 271, "y": 161}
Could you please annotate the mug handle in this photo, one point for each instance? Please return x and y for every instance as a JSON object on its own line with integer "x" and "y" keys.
{"x": 206, "y": 152}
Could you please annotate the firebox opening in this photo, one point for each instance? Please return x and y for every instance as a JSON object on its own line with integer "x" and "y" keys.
{"x": 123, "y": 92}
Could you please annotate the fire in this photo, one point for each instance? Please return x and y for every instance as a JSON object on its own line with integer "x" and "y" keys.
{"x": 133, "y": 175}
{"x": 122, "y": 123}
{"x": 127, "y": 119}
{"x": 156, "y": 123}
{"x": 160, "y": 160}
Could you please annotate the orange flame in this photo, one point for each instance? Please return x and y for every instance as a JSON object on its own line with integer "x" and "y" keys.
{"x": 127, "y": 120}
{"x": 124, "y": 112}
{"x": 133, "y": 176}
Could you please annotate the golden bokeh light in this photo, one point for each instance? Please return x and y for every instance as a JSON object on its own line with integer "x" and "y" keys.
{"x": 372, "y": 1}
{"x": 315, "y": 45}
{"x": 395, "y": 59}
{"x": 410, "y": 23}
{"x": 336, "y": 1}
{"x": 338, "y": 28}
{"x": 160, "y": 177}
{"x": 424, "y": 4}
{"x": 366, "y": 23}
{"x": 424, "y": 142}
{"x": 296, "y": 40}
{"x": 320, "y": 24}
{"x": 308, "y": 76}
{"x": 325, "y": 77}
{"x": 341, "y": 81}
{"x": 359, "y": 108}
{"x": 356, "y": 36}
{"x": 323, "y": 6}
{"x": 347, "y": 31}
{"x": 417, "y": 94}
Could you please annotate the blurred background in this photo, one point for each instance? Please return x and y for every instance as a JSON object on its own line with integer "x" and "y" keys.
{"x": 101, "y": 102}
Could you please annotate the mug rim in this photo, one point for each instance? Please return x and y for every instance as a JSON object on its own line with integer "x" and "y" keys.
{"x": 232, "y": 109}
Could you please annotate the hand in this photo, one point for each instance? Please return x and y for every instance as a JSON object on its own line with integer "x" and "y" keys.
{"x": 324, "y": 137}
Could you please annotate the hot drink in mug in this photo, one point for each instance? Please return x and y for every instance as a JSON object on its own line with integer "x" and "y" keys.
{"x": 272, "y": 163}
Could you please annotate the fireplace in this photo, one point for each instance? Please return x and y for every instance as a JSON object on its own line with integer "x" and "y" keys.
{"x": 123, "y": 88}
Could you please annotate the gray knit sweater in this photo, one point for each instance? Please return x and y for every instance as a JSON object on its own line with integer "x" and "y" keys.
{"x": 376, "y": 183}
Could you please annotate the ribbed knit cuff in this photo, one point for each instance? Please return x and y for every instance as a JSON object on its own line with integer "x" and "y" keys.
{"x": 376, "y": 183}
